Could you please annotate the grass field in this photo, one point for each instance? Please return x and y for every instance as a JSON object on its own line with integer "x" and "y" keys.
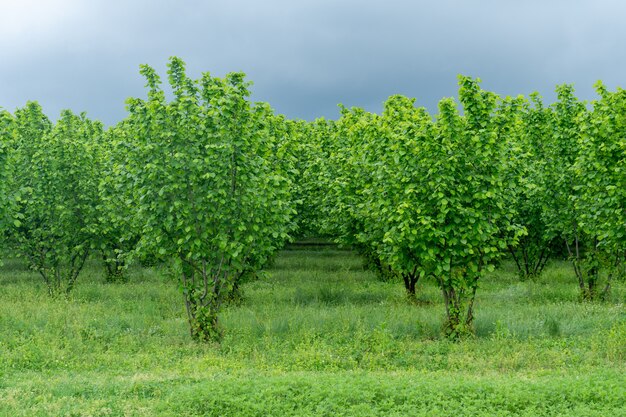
{"x": 318, "y": 336}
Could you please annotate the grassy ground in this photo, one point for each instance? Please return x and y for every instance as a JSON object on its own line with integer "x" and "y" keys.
{"x": 317, "y": 337}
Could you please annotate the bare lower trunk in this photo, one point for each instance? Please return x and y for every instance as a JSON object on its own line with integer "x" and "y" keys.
{"x": 410, "y": 281}
{"x": 59, "y": 277}
{"x": 203, "y": 292}
{"x": 459, "y": 303}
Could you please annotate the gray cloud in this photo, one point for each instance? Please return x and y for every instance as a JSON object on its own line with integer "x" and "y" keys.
{"x": 305, "y": 57}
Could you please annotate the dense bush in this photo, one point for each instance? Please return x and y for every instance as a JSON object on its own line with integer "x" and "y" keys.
{"x": 201, "y": 169}
{"x": 53, "y": 178}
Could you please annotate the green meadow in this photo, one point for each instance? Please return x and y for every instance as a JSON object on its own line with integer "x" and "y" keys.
{"x": 316, "y": 335}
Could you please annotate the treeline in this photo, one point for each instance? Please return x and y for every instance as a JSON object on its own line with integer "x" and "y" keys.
{"x": 447, "y": 197}
{"x": 215, "y": 185}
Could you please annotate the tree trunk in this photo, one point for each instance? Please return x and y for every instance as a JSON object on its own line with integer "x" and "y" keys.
{"x": 203, "y": 322}
{"x": 410, "y": 280}
{"x": 202, "y": 293}
{"x": 459, "y": 304}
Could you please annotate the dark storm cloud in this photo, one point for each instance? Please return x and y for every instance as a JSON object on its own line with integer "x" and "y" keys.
{"x": 305, "y": 57}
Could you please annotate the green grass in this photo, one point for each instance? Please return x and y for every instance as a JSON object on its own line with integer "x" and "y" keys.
{"x": 318, "y": 336}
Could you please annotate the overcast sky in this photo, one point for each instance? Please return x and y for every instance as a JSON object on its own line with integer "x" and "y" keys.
{"x": 305, "y": 57}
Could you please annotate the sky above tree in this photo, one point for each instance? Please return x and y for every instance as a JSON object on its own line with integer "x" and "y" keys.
{"x": 305, "y": 57}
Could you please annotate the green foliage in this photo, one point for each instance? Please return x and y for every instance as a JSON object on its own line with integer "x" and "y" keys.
{"x": 117, "y": 229}
{"x": 526, "y": 128}
{"x": 53, "y": 178}
{"x": 349, "y": 157}
{"x": 562, "y": 182}
{"x": 389, "y": 226}
{"x": 565, "y": 210}
{"x": 202, "y": 170}
{"x": 344, "y": 178}
{"x": 7, "y": 130}
{"x": 306, "y": 150}
{"x": 602, "y": 166}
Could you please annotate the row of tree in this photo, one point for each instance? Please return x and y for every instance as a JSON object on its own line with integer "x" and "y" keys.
{"x": 447, "y": 197}
{"x": 197, "y": 180}
{"x": 216, "y": 185}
